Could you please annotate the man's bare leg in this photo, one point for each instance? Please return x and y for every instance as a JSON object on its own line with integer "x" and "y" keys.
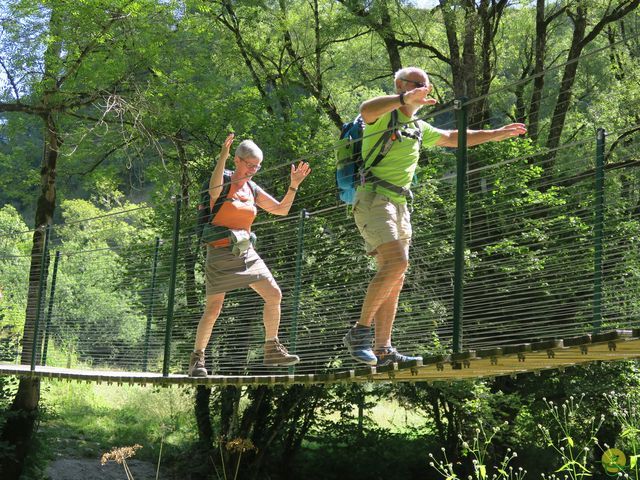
{"x": 392, "y": 263}
{"x": 383, "y": 289}
{"x": 386, "y": 315}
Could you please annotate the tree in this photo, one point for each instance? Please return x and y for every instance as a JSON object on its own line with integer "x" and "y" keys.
{"x": 74, "y": 56}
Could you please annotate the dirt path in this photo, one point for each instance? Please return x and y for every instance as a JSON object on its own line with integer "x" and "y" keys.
{"x": 88, "y": 469}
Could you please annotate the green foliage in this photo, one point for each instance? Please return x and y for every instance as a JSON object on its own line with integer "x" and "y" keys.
{"x": 143, "y": 92}
{"x": 478, "y": 452}
{"x": 624, "y": 408}
{"x": 83, "y": 420}
{"x": 97, "y": 283}
{"x": 571, "y": 438}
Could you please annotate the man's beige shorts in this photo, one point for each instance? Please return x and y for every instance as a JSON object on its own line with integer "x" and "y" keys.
{"x": 380, "y": 220}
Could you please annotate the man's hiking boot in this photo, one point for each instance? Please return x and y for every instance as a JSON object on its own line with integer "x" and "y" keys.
{"x": 276, "y": 355}
{"x": 358, "y": 342}
{"x": 389, "y": 355}
{"x": 196, "y": 365}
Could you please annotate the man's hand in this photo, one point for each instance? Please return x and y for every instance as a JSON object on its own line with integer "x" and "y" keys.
{"x": 419, "y": 96}
{"x": 508, "y": 131}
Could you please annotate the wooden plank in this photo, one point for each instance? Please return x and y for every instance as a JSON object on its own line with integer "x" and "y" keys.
{"x": 608, "y": 346}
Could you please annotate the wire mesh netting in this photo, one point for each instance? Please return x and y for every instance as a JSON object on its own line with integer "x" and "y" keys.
{"x": 533, "y": 268}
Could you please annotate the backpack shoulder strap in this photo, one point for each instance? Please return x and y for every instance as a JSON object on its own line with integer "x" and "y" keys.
{"x": 254, "y": 189}
{"x": 386, "y": 140}
{"x": 226, "y": 186}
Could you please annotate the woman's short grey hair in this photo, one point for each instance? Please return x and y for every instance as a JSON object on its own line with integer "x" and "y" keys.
{"x": 248, "y": 148}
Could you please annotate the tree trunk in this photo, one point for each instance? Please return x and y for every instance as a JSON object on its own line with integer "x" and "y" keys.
{"x": 566, "y": 85}
{"x": 383, "y": 27}
{"x": 538, "y": 80}
{"x": 579, "y": 41}
{"x": 449, "y": 18}
{"x": 203, "y": 417}
{"x": 311, "y": 78}
{"x": 21, "y": 422}
{"x": 385, "y": 30}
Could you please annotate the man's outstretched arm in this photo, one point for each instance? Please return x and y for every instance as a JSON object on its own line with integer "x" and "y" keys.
{"x": 449, "y": 138}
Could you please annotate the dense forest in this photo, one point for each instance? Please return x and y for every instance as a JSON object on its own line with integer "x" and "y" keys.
{"x": 112, "y": 114}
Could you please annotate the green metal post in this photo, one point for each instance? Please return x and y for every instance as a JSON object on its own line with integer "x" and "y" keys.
{"x": 152, "y": 293}
{"x": 41, "y": 293}
{"x": 598, "y": 231}
{"x": 461, "y": 187}
{"x": 172, "y": 289}
{"x": 298, "y": 281}
{"x": 52, "y": 293}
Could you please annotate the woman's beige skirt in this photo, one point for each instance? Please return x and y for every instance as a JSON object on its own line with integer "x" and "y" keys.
{"x": 226, "y": 271}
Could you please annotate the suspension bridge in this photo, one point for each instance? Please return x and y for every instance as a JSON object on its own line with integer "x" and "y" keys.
{"x": 527, "y": 262}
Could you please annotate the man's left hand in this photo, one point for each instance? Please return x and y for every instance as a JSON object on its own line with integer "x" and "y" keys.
{"x": 509, "y": 131}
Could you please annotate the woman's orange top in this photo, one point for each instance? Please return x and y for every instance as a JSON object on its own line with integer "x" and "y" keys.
{"x": 237, "y": 212}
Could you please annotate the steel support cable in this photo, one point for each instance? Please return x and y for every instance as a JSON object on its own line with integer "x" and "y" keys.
{"x": 327, "y": 151}
{"x": 496, "y": 277}
{"x": 508, "y": 304}
{"x": 485, "y": 263}
{"x": 307, "y": 358}
{"x": 552, "y": 181}
{"x": 416, "y": 303}
{"x": 548, "y": 296}
{"x": 13, "y": 234}
{"x": 565, "y": 157}
{"x": 548, "y": 308}
{"x": 552, "y": 68}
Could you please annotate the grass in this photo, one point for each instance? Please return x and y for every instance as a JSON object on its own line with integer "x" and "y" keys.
{"x": 390, "y": 415}
{"x": 85, "y": 420}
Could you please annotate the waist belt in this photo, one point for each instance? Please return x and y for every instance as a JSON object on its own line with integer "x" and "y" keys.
{"x": 378, "y": 182}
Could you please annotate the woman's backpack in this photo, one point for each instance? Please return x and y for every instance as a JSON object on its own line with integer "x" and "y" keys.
{"x": 205, "y": 213}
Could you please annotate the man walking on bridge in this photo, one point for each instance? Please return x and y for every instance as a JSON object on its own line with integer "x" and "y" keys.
{"x": 380, "y": 208}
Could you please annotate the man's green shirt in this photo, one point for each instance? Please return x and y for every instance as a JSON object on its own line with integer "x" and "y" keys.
{"x": 399, "y": 164}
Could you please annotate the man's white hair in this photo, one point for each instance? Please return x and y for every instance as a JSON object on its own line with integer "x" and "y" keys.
{"x": 248, "y": 148}
{"x": 403, "y": 72}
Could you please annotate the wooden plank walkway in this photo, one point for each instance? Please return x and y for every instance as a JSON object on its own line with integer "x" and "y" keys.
{"x": 509, "y": 360}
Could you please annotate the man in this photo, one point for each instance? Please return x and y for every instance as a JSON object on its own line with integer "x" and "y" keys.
{"x": 380, "y": 208}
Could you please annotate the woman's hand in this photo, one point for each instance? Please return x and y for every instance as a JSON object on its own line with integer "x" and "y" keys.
{"x": 226, "y": 147}
{"x": 299, "y": 173}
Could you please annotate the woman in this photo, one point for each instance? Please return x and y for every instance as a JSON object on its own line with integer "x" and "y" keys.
{"x": 231, "y": 260}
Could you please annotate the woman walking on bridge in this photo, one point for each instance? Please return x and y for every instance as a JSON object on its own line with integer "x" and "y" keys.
{"x": 231, "y": 260}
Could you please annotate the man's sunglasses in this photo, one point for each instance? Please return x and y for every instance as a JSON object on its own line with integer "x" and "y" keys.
{"x": 417, "y": 84}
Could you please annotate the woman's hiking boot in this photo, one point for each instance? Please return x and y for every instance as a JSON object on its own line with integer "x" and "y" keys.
{"x": 196, "y": 365}
{"x": 276, "y": 355}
